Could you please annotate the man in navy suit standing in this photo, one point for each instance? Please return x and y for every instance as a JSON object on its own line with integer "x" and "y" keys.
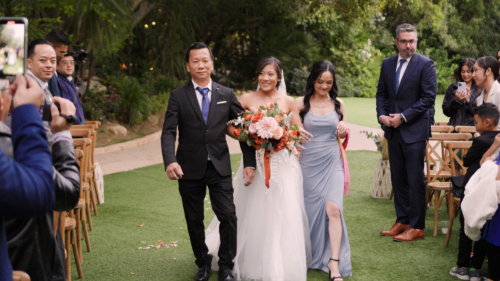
{"x": 405, "y": 98}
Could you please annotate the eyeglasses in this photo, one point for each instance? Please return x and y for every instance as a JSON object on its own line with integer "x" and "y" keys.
{"x": 62, "y": 53}
{"x": 404, "y": 42}
{"x": 68, "y": 62}
{"x": 466, "y": 72}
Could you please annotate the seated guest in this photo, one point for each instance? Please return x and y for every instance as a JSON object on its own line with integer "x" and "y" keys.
{"x": 459, "y": 106}
{"x": 26, "y": 184}
{"x": 485, "y": 74}
{"x": 498, "y": 56}
{"x": 481, "y": 208}
{"x": 486, "y": 117}
{"x": 33, "y": 248}
{"x": 41, "y": 63}
{"x": 65, "y": 70}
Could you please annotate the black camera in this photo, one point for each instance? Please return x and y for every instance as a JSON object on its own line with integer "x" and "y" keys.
{"x": 81, "y": 55}
{"x": 46, "y": 113}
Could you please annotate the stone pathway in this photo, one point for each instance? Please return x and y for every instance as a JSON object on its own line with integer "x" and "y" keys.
{"x": 146, "y": 151}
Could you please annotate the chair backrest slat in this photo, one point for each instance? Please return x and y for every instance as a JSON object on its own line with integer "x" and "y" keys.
{"x": 441, "y": 129}
{"x": 436, "y": 153}
{"x": 454, "y": 147}
{"x": 466, "y": 129}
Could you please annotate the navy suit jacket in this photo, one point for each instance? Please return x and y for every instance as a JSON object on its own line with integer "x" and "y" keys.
{"x": 54, "y": 87}
{"x": 414, "y": 98}
{"x": 26, "y": 184}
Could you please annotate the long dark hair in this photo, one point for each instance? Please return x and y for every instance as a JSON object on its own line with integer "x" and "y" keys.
{"x": 317, "y": 69}
{"x": 269, "y": 61}
{"x": 458, "y": 71}
{"x": 489, "y": 62}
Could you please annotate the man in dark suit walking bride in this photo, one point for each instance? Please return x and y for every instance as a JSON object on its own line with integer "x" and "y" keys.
{"x": 199, "y": 111}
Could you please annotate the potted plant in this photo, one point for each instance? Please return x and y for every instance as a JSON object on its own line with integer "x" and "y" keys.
{"x": 381, "y": 183}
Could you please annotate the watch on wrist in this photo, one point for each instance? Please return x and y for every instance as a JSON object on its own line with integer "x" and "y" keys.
{"x": 401, "y": 119}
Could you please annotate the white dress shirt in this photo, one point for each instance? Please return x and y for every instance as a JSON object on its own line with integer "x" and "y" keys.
{"x": 403, "y": 69}
{"x": 199, "y": 95}
{"x": 401, "y": 74}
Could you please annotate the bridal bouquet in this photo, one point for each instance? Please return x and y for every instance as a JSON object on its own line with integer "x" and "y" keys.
{"x": 268, "y": 128}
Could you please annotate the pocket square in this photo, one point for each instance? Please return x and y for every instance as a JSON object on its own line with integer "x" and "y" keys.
{"x": 221, "y": 102}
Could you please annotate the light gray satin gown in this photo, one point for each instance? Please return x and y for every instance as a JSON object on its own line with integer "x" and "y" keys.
{"x": 323, "y": 172}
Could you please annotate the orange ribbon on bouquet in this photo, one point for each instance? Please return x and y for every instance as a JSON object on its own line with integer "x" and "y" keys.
{"x": 267, "y": 165}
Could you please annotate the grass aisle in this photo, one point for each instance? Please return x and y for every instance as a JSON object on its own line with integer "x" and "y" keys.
{"x": 146, "y": 197}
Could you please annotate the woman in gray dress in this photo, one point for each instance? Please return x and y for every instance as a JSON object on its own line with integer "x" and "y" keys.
{"x": 325, "y": 179}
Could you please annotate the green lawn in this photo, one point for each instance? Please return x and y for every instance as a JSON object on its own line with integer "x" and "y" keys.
{"x": 146, "y": 196}
{"x": 362, "y": 111}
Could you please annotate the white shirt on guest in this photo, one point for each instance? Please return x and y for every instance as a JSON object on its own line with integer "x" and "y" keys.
{"x": 403, "y": 69}
{"x": 199, "y": 95}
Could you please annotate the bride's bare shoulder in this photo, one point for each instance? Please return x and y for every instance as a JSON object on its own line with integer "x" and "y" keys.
{"x": 246, "y": 96}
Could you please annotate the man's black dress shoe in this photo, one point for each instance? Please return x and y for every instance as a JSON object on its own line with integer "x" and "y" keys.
{"x": 226, "y": 275}
{"x": 204, "y": 273}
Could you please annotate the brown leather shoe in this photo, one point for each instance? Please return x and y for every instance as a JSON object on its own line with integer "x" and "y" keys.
{"x": 396, "y": 229}
{"x": 410, "y": 235}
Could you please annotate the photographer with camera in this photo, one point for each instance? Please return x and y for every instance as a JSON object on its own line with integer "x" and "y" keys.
{"x": 26, "y": 184}
{"x": 65, "y": 70}
{"x": 31, "y": 242}
{"x": 60, "y": 42}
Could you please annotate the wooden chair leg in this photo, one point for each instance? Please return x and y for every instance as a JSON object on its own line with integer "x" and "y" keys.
{"x": 79, "y": 233}
{"x": 392, "y": 194}
{"x": 452, "y": 215}
{"x": 436, "y": 209}
{"x": 87, "y": 209}
{"x": 92, "y": 198}
{"x": 94, "y": 181}
{"x": 67, "y": 246}
{"x": 85, "y": 231}
{"x": 77, "y": 256}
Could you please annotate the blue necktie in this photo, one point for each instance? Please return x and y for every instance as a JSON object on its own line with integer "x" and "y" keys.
{"x": 398, "y": 72}
{"x": 205, "y": 102}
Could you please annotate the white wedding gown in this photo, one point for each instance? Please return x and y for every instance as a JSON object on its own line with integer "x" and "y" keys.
{"x": 273, "y": 242}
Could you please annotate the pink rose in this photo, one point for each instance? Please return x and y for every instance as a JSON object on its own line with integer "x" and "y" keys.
{"x": 254, "y": 109}
{"x": 252, "y": 128}
{"x": 270, "y": 106}
{"x": 278, "y": 133}
{"x": 278, "y": 118}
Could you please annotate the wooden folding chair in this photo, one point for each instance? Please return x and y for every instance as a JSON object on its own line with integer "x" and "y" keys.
{"x": 454, "y": 147}
{"x": 441, "y": 129}
{"x": 70, "y": 242}
{"x": 441, "y": 123}
{"x": 466, "y": 129}
{"x": 93, "y": 183}
{"x": 437, "y": 157}
{"x": 89, "y": 134}
{"x": 81, "y": 209}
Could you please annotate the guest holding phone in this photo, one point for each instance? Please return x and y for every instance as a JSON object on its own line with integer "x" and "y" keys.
{"x": 486, "y": 71}
{"x": 459, "y": 102}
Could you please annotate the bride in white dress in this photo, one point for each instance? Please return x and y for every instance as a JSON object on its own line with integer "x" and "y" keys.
{"x": 273, "y": 242}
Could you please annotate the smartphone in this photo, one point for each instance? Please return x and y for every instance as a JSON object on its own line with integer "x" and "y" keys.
{"x": 13, "y": 47}
{"x": 461, "y": 87}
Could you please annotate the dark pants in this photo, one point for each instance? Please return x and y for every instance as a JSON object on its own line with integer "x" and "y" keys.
{"x": 193, "y": 193}
{"x": 465, "y": 248}
{"x": 493, "y": 254}
{"x": 408, "y": 180}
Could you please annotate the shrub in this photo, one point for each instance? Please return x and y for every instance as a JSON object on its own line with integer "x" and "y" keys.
{"x": 135, "y": 106}
{"x": 298, "y": 81}
{"x": 101, "y": 106}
